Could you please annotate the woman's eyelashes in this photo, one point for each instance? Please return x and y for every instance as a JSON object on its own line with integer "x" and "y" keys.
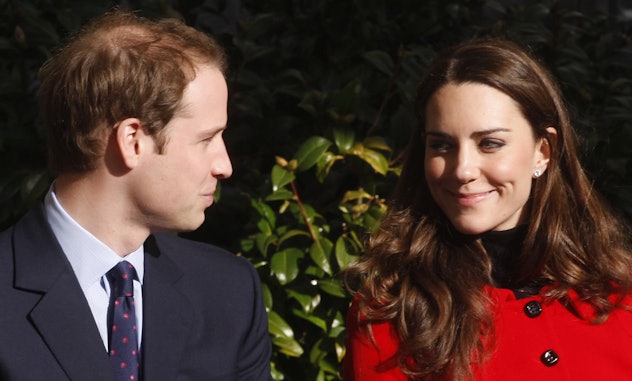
{"x": 490, "y": 145}
{"x": 439, "y": 145}
{"x": 442, "y": 145}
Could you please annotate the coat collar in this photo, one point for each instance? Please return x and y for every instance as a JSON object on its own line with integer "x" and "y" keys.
{"x": 62, "y": 315}
{"x": 65, "y": 322}
{"x": 167, "y": 313}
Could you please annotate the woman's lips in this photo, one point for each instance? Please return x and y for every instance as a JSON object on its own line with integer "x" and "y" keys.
{"x": 470, "y": 198}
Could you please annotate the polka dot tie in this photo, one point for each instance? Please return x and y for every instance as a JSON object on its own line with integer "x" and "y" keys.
{"x": 122, "y": 322}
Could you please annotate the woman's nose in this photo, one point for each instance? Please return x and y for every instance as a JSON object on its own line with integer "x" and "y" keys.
{"x": 466, "y": 165}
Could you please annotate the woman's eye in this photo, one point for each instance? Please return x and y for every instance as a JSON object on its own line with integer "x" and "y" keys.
{"x": 491, "y": 144}
{"x": 439, "y": 145}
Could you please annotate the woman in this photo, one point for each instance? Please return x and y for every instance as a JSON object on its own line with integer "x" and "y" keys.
{"x": 497, "y": 260}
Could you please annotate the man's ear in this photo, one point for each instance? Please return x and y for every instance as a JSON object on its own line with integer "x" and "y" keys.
{"x": 129, "y": 137}
{"x": 543, "y": 150}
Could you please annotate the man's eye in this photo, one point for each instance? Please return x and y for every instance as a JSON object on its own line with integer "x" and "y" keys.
{"x": 207, "y": 139}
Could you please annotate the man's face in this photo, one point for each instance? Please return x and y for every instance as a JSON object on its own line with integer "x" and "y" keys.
{"x": 175, "y": 187}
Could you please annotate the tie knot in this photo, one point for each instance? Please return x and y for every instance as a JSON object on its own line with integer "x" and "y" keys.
{"x": 121, "y": 278}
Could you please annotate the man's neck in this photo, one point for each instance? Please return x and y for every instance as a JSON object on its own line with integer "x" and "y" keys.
{"x": 102, "y": 208}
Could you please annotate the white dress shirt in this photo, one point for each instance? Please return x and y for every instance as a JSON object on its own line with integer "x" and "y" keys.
{"x": 91, "y": 259}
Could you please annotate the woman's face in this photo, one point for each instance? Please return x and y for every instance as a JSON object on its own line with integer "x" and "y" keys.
{"x": 481, "y": 155}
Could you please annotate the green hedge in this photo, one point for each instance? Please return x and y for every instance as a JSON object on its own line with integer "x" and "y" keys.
{"x": 320, "y": 110}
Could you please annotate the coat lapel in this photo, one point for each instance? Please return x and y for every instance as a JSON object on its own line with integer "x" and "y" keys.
{"x": 166, "y": 316}
{"x": 62, "y": 315}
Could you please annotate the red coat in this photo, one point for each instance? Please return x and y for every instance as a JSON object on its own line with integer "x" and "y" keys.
{"x": 534, "y": 341}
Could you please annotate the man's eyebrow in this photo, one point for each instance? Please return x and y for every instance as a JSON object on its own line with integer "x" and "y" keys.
{"x": 212, "y": 130}
{"x": 208, "y": 133}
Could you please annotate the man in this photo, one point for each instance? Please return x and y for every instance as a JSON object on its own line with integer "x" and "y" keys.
{"x": 136, "y": 110}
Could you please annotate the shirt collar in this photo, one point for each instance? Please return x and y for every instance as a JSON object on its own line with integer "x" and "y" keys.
{"x": 89, "y": 257}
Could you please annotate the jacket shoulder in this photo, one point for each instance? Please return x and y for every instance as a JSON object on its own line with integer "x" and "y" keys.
{"x": 188, "y": 252}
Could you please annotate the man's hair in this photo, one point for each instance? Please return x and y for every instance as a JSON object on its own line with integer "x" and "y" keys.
{"x": 118, "y": 66}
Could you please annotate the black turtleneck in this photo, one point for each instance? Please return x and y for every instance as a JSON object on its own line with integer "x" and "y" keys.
{"x": 503, "y": 248}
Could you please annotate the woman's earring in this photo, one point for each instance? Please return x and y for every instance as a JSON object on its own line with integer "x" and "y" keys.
{"x": 537, "y": 173}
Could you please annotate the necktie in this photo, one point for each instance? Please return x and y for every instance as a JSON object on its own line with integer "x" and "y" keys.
{"x": 122, "y": 322}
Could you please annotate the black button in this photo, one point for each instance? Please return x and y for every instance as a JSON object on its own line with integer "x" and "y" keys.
{"x": 533, "y": 309}
{"x": 549, "y": 358}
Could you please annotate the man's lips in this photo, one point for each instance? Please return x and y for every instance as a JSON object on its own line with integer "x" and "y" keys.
{"x": 209, "y": 197}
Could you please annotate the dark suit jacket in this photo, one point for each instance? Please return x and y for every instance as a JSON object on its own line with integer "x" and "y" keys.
{"x": 203, "y": 313}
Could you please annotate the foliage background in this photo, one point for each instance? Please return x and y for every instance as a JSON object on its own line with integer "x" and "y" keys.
{"x": 320, "y": 110}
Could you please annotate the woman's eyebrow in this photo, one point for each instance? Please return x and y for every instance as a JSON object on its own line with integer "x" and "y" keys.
{"x": 490, "y": 131}
{"x": 474, "y": 134}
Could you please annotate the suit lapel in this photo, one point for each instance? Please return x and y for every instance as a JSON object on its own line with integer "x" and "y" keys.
{"x": 75, "y": 343}
{"x": 166, "y": 316}
{"x": 62, "y": 315}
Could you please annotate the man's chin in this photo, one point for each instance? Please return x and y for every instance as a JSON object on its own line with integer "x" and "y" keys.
{"x": 182, "y": 226}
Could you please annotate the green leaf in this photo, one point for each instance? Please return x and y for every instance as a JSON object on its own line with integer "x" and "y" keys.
{"x": 332, "y": 287}
{"x": 320, "y": 251}
{"x": 381, "y": 61}
{"x": 291, "y": 234}
{"x": 247, "y": 244}
{"x": 307, "y": 104}
{"x": 280, "y": 177}
{"x": 317, "y": 352}
{"x": 317, "y": 321}
{"x": 277, "y": 375}
{"x": 324, "y": 164}
{"x": 309, "y": 153}
{"x": 307, "y": 301}
{"x": 376, "y": 142}
{"x": 375, "y": 159}
{"x": 338, "y": 322}
{"x": 34, "y": 186}
{"x": 345, "y": 101}
{"x": 288, "y": 346}
{"x": 286, "y": 204}
{"x": 326, "y": 366}
{"x": 264, "y": 211}
{"x": 344, "y": 138}
{"x": 264, "y": 226}
{"x": 312, "y": 216}
{"x": 336, "y": 331}
{"x": 341, "y": 350}
{"x": 217, "y": 195}
{"x": 278, "y": 327}
{"x": 280, "y": 195}
{"x": 284, "y": 264}
{"x": 343, "y": 257}
{"x": 356, "y": 195}
{"x": 263, "y": 241}
{"x": 267, "y": 296}
{"x": 315, "y": 272}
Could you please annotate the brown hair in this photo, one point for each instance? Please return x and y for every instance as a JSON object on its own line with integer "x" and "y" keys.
{"x": 427, "y": 279}
{"x": 118, "y": 66}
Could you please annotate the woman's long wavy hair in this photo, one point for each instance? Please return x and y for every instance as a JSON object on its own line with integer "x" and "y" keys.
{"x": 428, "y": 279}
